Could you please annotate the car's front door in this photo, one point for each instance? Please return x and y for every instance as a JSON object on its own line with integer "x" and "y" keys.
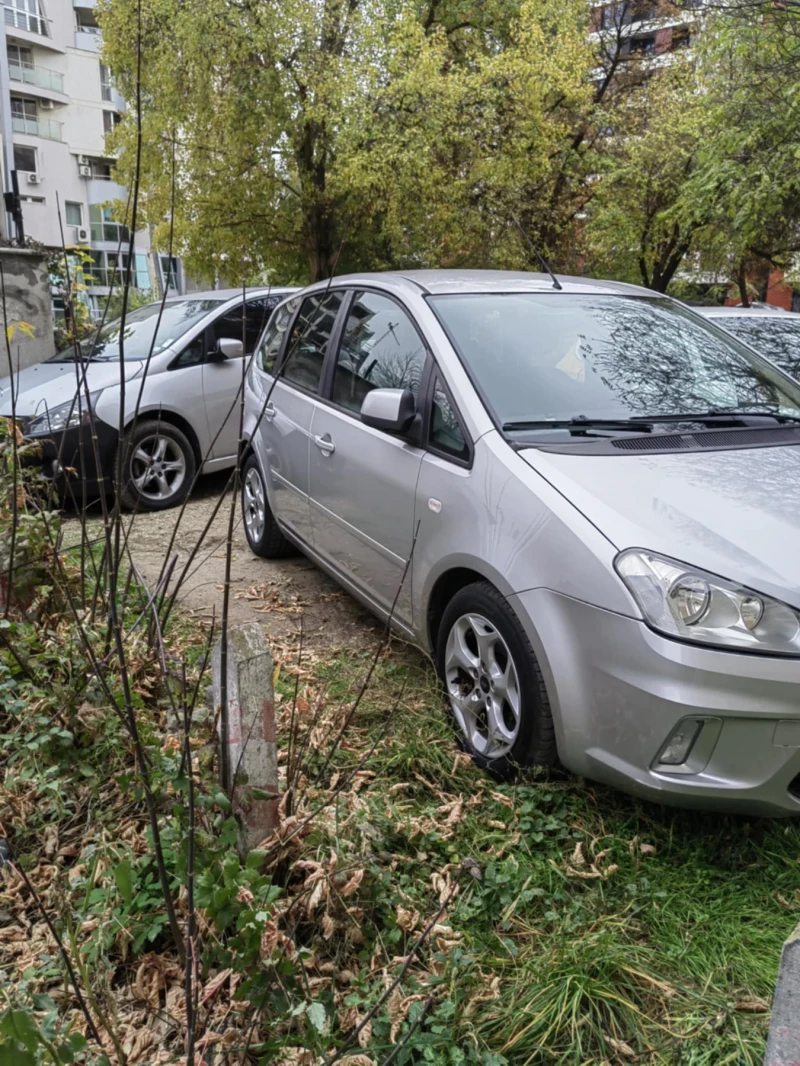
{"x": 362, "y": 480}
{"x": 285, "y": 407}
{"x": 222, "y": 380}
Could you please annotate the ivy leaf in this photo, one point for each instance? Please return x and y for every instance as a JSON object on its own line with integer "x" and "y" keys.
{"x": 19, "y": 1025}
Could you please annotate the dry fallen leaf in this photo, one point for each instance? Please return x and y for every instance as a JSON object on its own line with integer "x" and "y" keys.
{"x": 751, "y": 1005}
{"x": 622, "y": 1048}
{"x": 407, "y": 919}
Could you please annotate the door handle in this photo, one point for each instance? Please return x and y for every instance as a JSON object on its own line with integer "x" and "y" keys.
{"x": 325, "y": 444}
{"x": 269, "y": 412}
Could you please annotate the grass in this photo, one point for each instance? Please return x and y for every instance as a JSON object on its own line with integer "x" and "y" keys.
{"x": 604, "y": 930}
{"x": 588, "y": 929}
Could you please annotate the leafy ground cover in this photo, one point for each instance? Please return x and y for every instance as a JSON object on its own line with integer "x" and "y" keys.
{"x": 555, "y": 922}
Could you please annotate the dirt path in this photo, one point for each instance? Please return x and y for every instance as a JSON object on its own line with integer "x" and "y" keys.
{"x": 273, "y": 592}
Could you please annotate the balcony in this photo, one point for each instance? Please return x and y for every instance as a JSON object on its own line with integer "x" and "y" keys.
{"x": 88, "y": 38}
{"x": 24, "y": 20}
{"x": 37, "y": 127}
{"x": 41, "y": 77}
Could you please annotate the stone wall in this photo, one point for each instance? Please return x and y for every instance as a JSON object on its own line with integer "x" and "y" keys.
{"x": 27, "y": 288}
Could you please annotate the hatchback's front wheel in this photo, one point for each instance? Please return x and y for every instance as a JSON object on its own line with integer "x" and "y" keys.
{"x": 493, "y": 683}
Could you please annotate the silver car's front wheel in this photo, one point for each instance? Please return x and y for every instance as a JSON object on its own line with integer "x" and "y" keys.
{"x": 483, "y": 686}
{"x": 158, "y": 466}
{"x": 493, "y": 683}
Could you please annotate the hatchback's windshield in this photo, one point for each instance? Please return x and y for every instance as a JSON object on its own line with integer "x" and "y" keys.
{"x": 140, "y": 327}
{"x": 542, "y": 356}
{"x": 777, "y": 338}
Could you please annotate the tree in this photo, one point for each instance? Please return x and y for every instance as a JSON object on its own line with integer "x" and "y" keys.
{"x": 358, "y": 132}
{"x": 747, "y": 178}
{"x": 641, "y": 224}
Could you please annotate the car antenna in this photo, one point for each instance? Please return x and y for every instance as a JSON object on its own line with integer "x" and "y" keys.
{"x": 556, "y": 283}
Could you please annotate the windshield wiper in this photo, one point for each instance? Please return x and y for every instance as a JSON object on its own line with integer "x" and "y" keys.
{"x": 723, "y": 414}
{"x": 581, "y": 422}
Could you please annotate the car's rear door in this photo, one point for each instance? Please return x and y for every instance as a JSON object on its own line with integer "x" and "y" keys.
{"x": 285, "y": 407}
{"x": 362, "y": 480}
{"x": 222, "y": 380}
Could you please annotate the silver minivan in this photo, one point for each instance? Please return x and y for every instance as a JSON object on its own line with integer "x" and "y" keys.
{"x": 181, "y": 411}
{"x": 580, "y": 496}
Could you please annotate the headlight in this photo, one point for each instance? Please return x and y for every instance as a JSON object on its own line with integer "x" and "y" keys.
{"x": 690, "y": 604}
{"x": 65, "y": 416}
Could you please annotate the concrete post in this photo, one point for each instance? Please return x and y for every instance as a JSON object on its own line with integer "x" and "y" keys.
{"x": 251, "y": 756}
{"x": 783, "y": 1043}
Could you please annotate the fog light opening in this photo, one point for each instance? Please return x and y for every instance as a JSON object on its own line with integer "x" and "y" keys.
{"x": 681, "y": 741}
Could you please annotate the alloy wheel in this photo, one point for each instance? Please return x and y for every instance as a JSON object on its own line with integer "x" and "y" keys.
{"x": 254, "y": 505}
{"x": 158, "y": 467}
{"x": 482, "y": 685}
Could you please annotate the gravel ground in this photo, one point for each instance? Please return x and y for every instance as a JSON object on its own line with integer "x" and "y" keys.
{"x": 273, "y": 592}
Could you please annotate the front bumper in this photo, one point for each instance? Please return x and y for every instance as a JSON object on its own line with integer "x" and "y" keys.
{"x": 619, "y": 691}
{"x": 67, "y": 458}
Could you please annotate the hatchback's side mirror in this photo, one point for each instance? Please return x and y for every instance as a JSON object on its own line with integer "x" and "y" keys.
{"x": 227, "y": 348}
{"x": 391, "y": 410}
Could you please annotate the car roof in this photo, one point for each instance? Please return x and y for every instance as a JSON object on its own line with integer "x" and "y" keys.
{"x": 744, "y": 312}
{"x": 229, "y": 294}
{"x": 440, "y": 282}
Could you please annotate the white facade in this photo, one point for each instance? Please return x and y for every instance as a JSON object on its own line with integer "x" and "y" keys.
{"x": 59, "y": 104}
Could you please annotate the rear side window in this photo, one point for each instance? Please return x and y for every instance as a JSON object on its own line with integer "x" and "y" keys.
{"x": 380, "y": 349}
{"x": 272, "y": 340}
{"x": 305, "y": 352}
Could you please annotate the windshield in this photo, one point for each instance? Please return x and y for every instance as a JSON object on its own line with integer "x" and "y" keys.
{"x": 777, "y": 338}
{"x": 140, "y": 327}
{"x": 559, "y": 356}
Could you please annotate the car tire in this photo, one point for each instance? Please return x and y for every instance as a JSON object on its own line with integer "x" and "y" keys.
{"x": 163, "y": 452}
{"x": 493, "y": 684}
{"x": 262, "y": 531}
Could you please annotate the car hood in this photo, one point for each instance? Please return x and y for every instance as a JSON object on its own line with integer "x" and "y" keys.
{"x": 46, "y": 385}
{"x": 733, "y": 513}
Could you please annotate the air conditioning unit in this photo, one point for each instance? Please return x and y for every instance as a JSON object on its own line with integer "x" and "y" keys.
{"x": 81, "y": 234}
{"x": 83, "y": 161}
{"x": 34, "y": 179}
{"x": 85, "y": 172}
{"x": 46, "y": 105}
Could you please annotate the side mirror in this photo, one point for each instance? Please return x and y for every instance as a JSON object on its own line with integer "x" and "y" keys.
{"x": 391, "y": 410}
{"x": 227, "y": 348}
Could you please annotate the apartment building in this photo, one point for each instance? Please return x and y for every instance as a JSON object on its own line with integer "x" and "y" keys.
{"x": 58, "y": 103}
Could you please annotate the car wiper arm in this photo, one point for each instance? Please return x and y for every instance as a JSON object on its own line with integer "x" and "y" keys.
{"x": 581, "y": 422}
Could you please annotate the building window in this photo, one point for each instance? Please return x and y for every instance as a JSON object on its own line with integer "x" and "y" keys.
{"x": 681, "y": 38}
{"x": 105, "y": 82}
{"x": 73, "y": 213}
{"x": 25, "y": 15}
{"x": 85, "y": 21}
{"x": 110, "y": 120}
{"x": 24, "y": 158}
{"x": 108, "y": 270}
{"x": 170, "y": 272}
{"x": 23, "y": 108}
{"x": 103, "y": 226}
{"x": 642, "y": 45}
{"x": 20, "y": 56}
{"x": 100, "y": 170}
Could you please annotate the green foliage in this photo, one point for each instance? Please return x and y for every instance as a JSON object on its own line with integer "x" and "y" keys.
{"x": 368, "y": 126}
{"x": 70, "y": 276}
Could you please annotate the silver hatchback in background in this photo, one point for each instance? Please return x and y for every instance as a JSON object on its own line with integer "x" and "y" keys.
{"x": 605, "y": 493}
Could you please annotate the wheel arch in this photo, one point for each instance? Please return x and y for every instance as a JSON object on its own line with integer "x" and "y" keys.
{"x": 445, "y": 586}
{"x": 159, "y": 414}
